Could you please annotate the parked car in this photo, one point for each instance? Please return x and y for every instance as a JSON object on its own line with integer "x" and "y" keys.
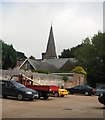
{"x": 100, "y": 90}
{"x": 16, "y": 89}
{"x": 81, "y": 89}
{"x": 61, "y": 93}
{"x": 101, "y": 98}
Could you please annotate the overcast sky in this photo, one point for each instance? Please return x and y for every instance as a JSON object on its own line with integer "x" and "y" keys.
{"x": 26, "y": 25}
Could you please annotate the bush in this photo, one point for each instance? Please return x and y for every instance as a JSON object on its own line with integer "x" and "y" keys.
{"x": 65, "y": 78}
{"x": 79, "y": 69}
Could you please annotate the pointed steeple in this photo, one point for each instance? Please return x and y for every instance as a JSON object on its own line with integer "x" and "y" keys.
{"x": 51, "y": 49}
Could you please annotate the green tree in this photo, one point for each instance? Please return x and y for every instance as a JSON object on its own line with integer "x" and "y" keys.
{"x": 31, "y": 57}
{"x": 91, "y": 56}
{"x": 65, "y": 78}
{"x": 69, "y": 53}
{"x": 20, "y": 55}
{"x": 9, "y": 57}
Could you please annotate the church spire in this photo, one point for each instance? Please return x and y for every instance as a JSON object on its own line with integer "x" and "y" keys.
{"x": 51, "y": 49}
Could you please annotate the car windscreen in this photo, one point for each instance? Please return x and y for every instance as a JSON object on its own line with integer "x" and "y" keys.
{"x": 89, "y": 87}
{"x": 86, "y": 87}
{"x": 103, "y": 88}
{"x": 18, "y": 85}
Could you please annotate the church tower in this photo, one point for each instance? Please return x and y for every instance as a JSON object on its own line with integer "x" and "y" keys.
{"x": 51, "y": 49}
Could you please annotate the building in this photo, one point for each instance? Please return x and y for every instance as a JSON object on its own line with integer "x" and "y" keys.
{"x": 50, "y": 56}
{"x": 34, "y": 65}
{"x": 49, "y": 59}
{"x": 57, "y": 66}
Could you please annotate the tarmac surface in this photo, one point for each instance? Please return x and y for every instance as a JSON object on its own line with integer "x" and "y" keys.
{"x": 71, "y": 106}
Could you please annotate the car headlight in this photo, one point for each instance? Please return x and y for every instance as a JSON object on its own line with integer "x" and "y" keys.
{"x": 36, "y": 95}
{"x": 28, "y": 92}
{"x": 101, "y": 94}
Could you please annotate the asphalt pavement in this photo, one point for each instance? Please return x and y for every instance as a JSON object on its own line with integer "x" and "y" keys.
{"x": 71, "y": 106}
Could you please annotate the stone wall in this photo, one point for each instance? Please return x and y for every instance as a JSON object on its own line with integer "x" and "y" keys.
{"x": 43, "y": 79}
{"x": 46, "y": 79}
{"x": 76, "y": 79}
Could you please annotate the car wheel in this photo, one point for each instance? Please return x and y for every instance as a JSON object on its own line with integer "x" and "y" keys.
{"x": 45, "y": 96}
{"x": 31, "y": 99}
{"x": 4, "y": 96}
{"x": 38, "y": 97}
{"x": 20, "y": 97}
{"x": 62, "y": 96}
{"x": 86, "y": 93}
{"x": 71, "y": 92}
{"x": 56, "y": 94}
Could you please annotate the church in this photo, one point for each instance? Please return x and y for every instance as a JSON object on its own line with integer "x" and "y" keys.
{"x": 49, "y": 60}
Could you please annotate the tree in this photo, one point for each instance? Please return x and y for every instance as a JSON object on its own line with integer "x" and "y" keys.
{"x": 20, "y": 55}
{"x": 69, "y": 53}
{"x": 31, "y": 57}
{"x": 91, "y": 56}
{"x": 84, "y": 53}
{"x": 9, "y": 57}
{"x": 65, "y": 78}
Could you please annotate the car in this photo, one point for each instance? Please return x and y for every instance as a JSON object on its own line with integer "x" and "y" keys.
{"x": 61, "y": 93}
{"x": 101, "y": 98}
{"x": 100, "y": 90}
{"x": 15, "y": 89}
{"x": 81, "y": 89}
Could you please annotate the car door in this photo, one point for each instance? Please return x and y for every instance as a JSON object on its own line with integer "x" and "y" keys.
{"x": 83, "y": 89}
{"x": 10, "y": 89}
{"x": 77, "y": 89}
{"x": 4, "y": 88}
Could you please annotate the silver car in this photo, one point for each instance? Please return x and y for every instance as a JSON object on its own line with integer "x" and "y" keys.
{"x": 100, "y": 91}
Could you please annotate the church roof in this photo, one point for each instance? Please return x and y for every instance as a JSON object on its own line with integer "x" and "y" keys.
{"x": 58, "y": 63}
{"x": 39, "y": 65}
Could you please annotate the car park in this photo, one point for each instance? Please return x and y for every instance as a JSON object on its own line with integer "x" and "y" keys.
{"x": 81, "y": 89}
{"x": 101, "y": 98}
{"x": 16, "y": 89}
{"x": 71, "y": 107}
{"x": 100, "y": 90}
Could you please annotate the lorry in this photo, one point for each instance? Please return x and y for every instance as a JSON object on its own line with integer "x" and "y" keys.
{"x": 43, "y": 90}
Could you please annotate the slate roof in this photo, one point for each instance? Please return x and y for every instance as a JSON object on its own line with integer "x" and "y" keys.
{"x": 59, "y": 62}
{"x": 39, "y": 65}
